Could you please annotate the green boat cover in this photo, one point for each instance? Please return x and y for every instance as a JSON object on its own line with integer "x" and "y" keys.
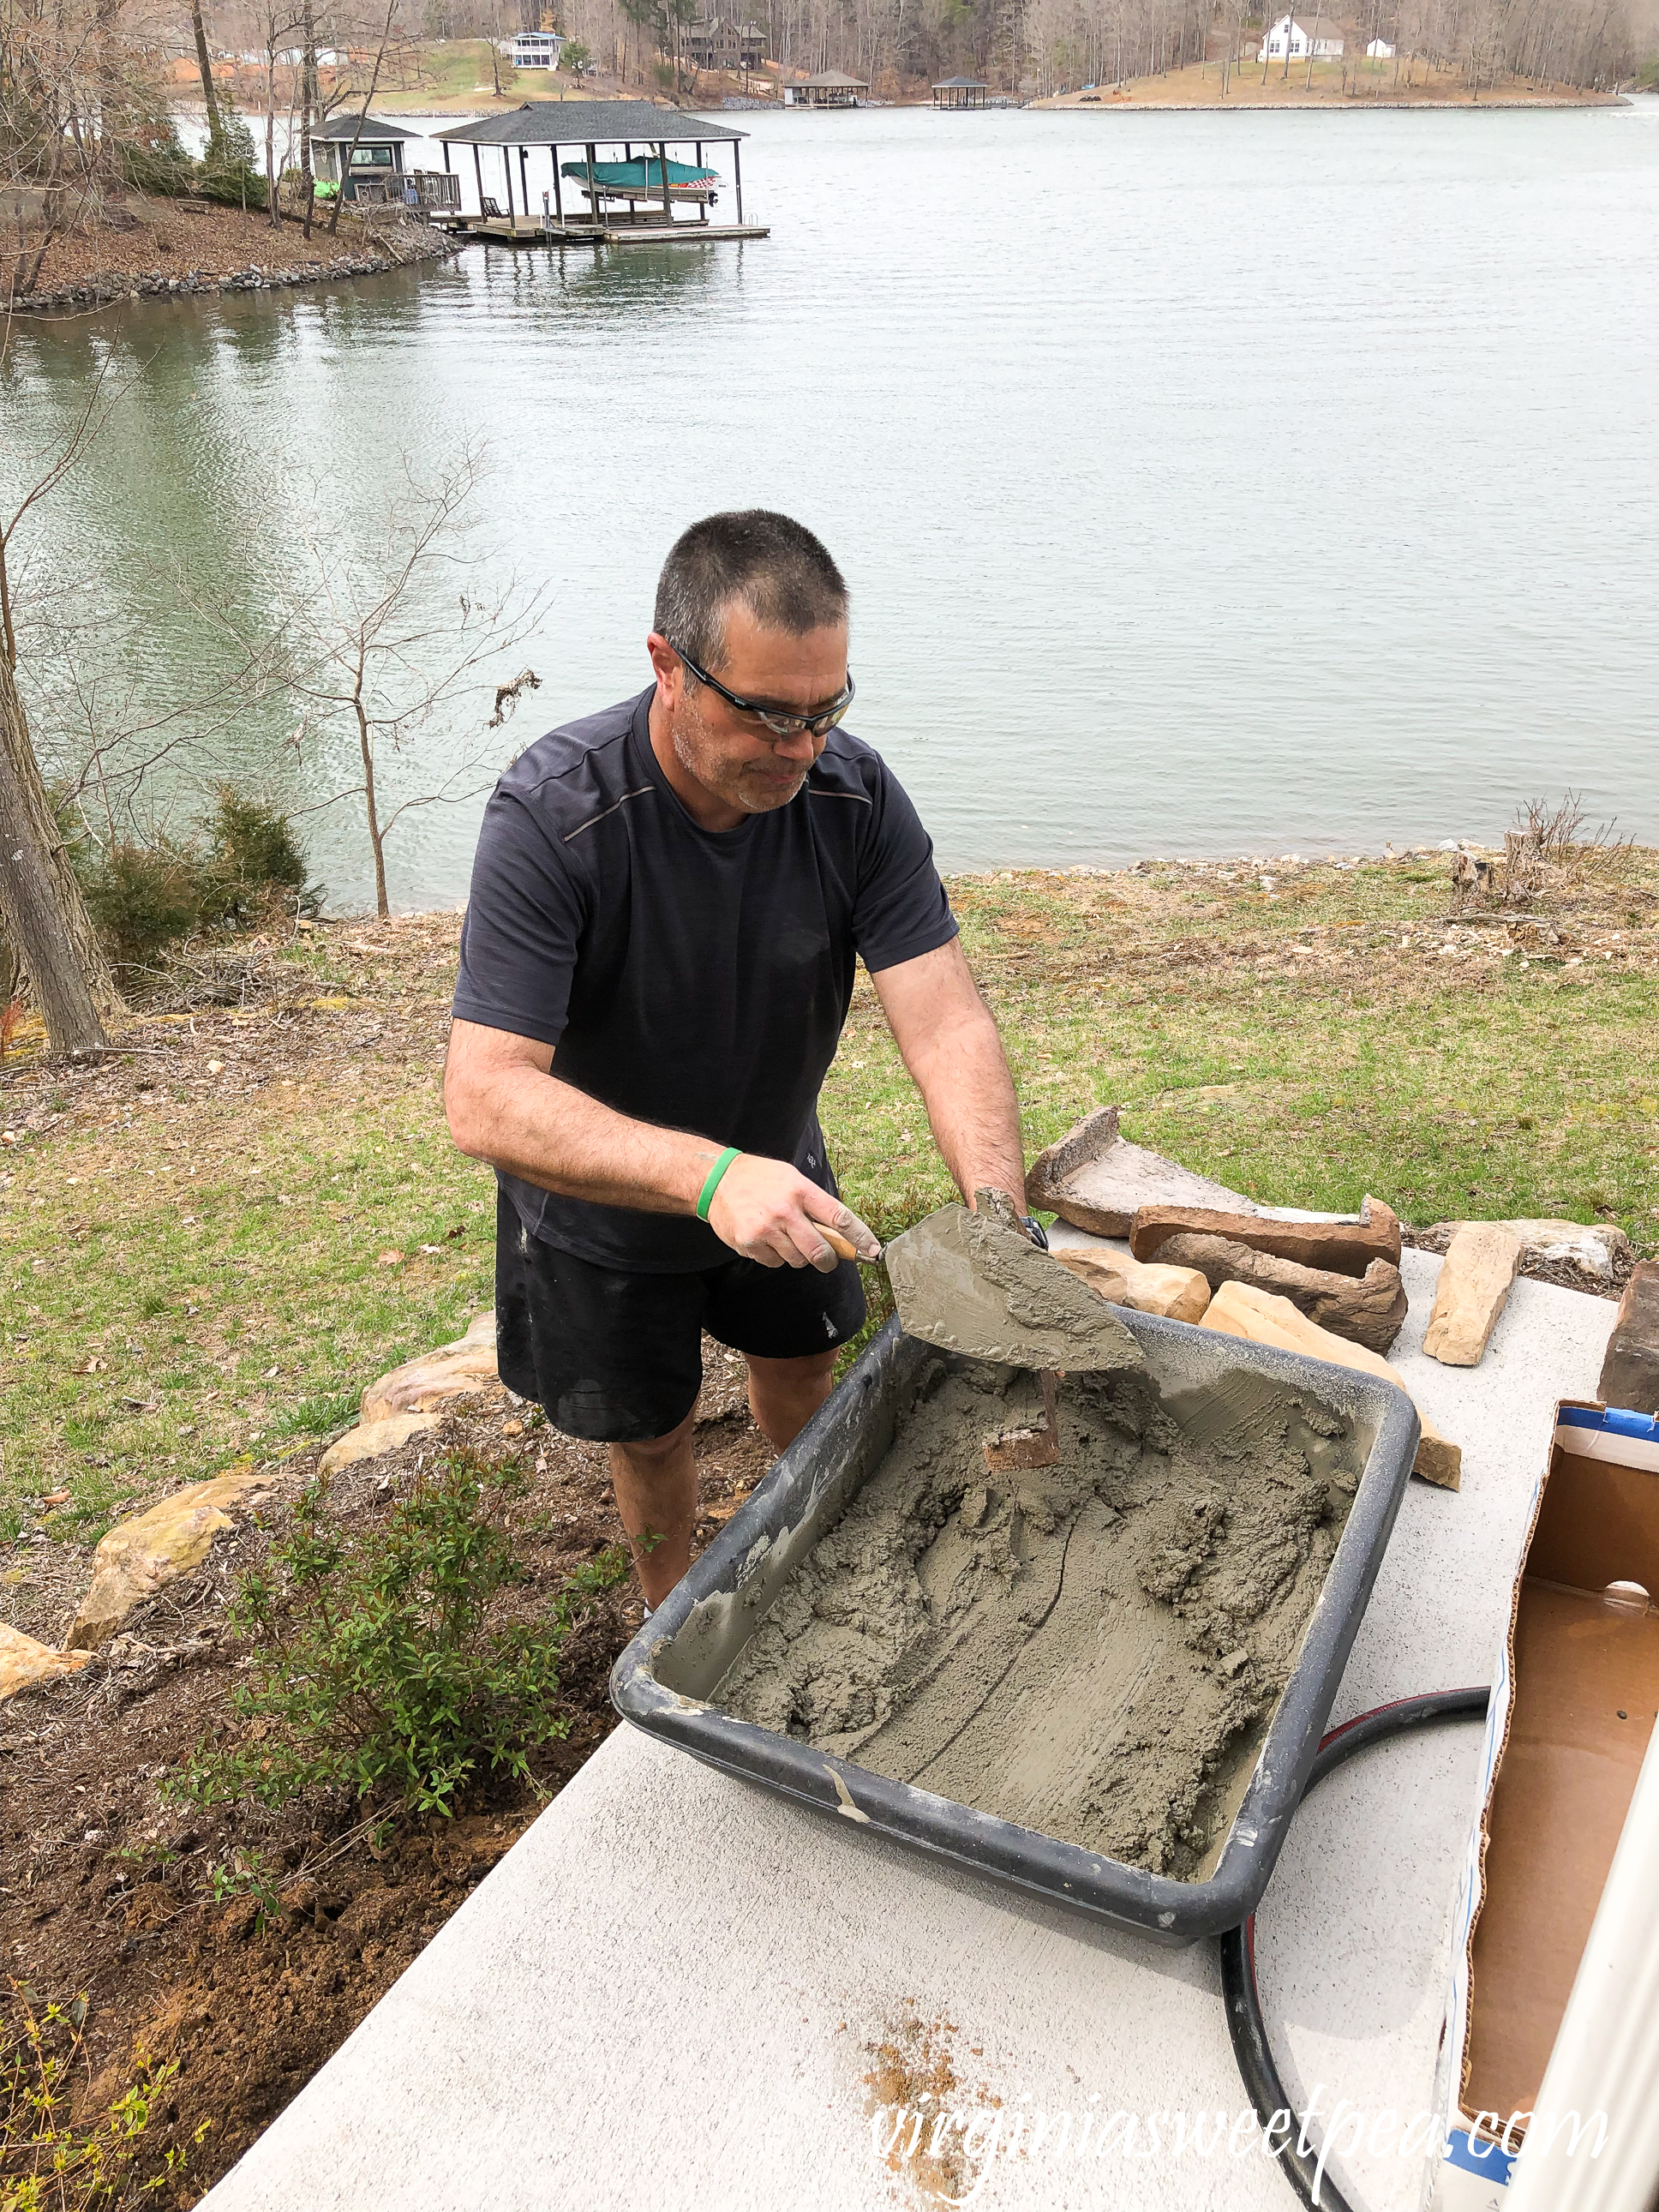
{"x": 643, "y": 176}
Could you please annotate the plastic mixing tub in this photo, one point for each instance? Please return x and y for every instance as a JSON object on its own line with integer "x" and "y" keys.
{"x": 663, "y": 1682}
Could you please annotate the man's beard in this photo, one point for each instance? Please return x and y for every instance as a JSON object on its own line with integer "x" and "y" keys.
{"x": 754, "y": 786}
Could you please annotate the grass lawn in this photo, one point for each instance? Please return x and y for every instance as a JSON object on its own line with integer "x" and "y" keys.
{"x": 209, "y": 1245}
{"x": 1351, "y": 82}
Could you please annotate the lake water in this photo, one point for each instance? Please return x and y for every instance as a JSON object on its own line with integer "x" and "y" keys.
{"x": 1205, "y": 483}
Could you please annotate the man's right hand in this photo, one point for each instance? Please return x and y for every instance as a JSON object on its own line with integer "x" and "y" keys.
{"x": 767, "y": 1210}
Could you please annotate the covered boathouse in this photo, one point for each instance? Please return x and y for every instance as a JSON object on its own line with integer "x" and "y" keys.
{"x": 829, "y": 89}
{"x": 362, "y": 154}
{"x": 960, "y": 92}
{"x": 620, "y": 184}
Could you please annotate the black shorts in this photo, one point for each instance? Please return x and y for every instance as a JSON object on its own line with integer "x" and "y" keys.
{"x": 618, "y": 1357}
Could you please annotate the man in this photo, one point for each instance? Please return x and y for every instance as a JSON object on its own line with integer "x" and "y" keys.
{"x": 656, "y": 965}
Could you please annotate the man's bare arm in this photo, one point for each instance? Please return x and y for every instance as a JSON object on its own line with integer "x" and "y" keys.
{"x": 505, "y": 1107}
{"x": 950, "y": 1042}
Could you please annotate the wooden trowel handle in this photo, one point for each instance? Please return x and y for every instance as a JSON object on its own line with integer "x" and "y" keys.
{"x": 837, "y": 1244}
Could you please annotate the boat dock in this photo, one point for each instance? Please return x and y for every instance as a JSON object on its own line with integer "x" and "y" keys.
{"x": 531, "y": 230}
{"x": 635, "y": 200}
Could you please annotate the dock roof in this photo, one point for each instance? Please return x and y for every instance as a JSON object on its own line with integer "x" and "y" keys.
{"x": 589, "y": 122}
{"x": 374, "y": 132}
{"x": 832, "y": 80}
{"x": 962, "y": 84}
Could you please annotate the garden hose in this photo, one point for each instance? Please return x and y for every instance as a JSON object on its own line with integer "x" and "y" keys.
{"x": 1238, "y": 1986}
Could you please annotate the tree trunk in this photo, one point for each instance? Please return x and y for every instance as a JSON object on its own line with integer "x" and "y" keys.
{"x": 307, "y": 109}
{"x": 26, "y": 266}
{"x": 215, "y": 126}
{"x": 46, "y": 918}
{"x": 273, "y": 197}
{"x": 376, "y": 835}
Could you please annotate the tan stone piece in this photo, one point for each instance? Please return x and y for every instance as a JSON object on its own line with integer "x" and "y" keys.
{"x": 1145, "y": 1286}
{"x": 1593, "y": 1246}
{"x": 437, "y": 1378}
{"x": 1473, "y": 1290}
{"x": 140, "y": 1555}
{"x": 370, "y": 1439}
{"x": 1241, "y": 1310}
{"x": 1347, "y": 1247}
{"x": 1367, "y": 1308}
{"x": 22, "y": 1661}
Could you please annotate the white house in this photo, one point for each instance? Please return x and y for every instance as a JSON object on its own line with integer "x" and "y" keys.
{"x": 1380, "y": 51}
{"x": 1289, "y": 35}
{"x": 535, "y": 50}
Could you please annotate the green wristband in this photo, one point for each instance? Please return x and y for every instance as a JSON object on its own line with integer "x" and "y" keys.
{"x": 706, "y": 1196}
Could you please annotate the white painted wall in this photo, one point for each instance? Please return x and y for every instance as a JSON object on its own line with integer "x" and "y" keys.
{"x": 1325, "y": 42}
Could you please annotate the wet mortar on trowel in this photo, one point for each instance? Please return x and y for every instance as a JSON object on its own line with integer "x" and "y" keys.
{"x": 1091, "y": 1649}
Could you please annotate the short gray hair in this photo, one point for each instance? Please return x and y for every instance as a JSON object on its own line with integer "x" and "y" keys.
{"x": 780, "y": 572}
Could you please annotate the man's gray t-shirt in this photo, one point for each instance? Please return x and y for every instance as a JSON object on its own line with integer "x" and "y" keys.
{"x": 698, "y": 979}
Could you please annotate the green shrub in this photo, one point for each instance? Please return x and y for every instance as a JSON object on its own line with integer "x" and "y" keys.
{"x": 256, "y": 843}
{"x": 51, "y": 2161}
{"x": 142, "y": 898}
{"x": 152, "y": 160}
{"x": 229, "y": 170}
{"x": 379, "y": 1663}
{"x": 232, "y": 185}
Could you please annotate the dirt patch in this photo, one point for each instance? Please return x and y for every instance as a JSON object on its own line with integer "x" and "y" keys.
{"x": 1089, "y": 1649}
{"x": 107, "y": 1888}
{"x": 918, "y": 2107}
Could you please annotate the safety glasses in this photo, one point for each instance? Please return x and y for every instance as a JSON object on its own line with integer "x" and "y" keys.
{"x": 778, "y": 720}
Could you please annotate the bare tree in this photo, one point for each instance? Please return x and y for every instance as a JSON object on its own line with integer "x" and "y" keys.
{"x": 309, "y": 107}
{"x": 349, "y": 153}
{"x": 278, "y": 23}
{"x": 371, "y": 657}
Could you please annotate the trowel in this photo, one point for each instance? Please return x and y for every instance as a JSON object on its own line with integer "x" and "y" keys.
{"x": 974, "y": 1283}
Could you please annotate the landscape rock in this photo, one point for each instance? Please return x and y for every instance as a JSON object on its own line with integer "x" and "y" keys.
{"x": 141, "y": 1556}
{"x": 22, "y": 1661}
{"x": 437, "y": 1378}
{"x": 1593, "y": 1247}
{"x": 1346, "y": 1247}
{"x": 1180, "y": 1292}
{"x": 1630, "y": 1372}
{"x": 1098, "y": 1180}
{"x": 1367, "y": 1309}
{"x": 370, "y": 1439}
{"x": 1240, "y": 1309}
{"x": 1473, "y": 1290}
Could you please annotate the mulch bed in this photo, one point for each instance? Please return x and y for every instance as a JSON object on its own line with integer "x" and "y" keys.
{"x": 106, "y": 1887}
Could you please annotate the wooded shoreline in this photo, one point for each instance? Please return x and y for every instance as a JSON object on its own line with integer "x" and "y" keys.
{"x": 109, "y": 265}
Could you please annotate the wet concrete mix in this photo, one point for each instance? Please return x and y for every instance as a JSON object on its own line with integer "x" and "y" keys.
{"x": 1092, "y": 1649}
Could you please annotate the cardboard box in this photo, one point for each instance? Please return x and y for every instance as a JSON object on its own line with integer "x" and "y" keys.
{"x": 1572, "y": 1710}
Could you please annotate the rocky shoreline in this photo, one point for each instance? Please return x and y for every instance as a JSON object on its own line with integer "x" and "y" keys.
{"x": 103, "y": 290}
